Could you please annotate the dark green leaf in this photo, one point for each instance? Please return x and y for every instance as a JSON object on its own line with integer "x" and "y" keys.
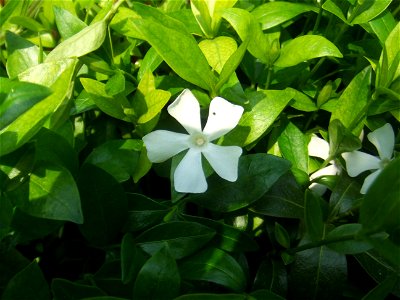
{"x": 182, "y": 238}
{"x": 281, "y": 235}
{"x": 67, "y": 290}
{"x": 356, "y": 245}
{"x": 158, "y": 278}
{"x": 341, "y": 139}
{"x": 260, "y": 171}
{"x": 313, "y": 216}
{"x": 383, "y": 289}
{"x": 272, "y": 275}
{"x": 215, "y": 266}
{"x": 53, "y": 194}
{"x": 117, "y": 157}
{"x": 383, "y": 214}
{"x": 213, "y": 297}
{"x": 132, "y": 258}
{"x": 27, "y": 284}
{"x": 116, "y": 84}
{"x": 104, "y": 205}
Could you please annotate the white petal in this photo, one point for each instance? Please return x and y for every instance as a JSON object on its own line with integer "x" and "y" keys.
{"x": 223, "y": 116}
{"x": 224, "y": 160}
{"x": 318, "y": 147}
{"x": 318, "y": 188}
{"x": 358, "y": 162}
{"x": 163, "y": 144}
{"x": 186, "y": 110}
{"x": 383, "y": 140}
{"x": 189, "y": 175}
{"x": 368, "y": 181}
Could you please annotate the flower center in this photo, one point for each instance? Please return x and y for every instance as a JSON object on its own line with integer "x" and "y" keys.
{"x": 384, "y": 162}
{"x": 199, "y": 140}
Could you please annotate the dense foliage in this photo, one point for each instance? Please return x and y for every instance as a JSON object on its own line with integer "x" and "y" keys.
{"x": 84, "y": 214}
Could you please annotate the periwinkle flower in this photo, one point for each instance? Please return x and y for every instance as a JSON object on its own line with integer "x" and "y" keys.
{"x": 358, "y": 162}
{"x": 189, "y": 175}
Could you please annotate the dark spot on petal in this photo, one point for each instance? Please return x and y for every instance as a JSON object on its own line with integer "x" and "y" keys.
{"x": 214, "y": 113}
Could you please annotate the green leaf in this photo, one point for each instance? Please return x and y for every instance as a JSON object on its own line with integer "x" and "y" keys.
{"x": 337, "y": 7}
{"x": 104, "y": 205}
{"x": 382, "y": 26}
{"x": 154, "y": 103}
{"x": 29, "y": 283}
{"x": 352, "y": 102}
{"x": 260, "y": 171}
{"x": 367, "y": 10}
{"x": 304, "y": 48}
{"x": 63, "y": 289}
{"x": 383, "y": 289}
{"x": 182, "y": 238}
{"x": 271, "y": 275}
{"x": 8, "y": 10}
{"x": 281, "y": 235}
{"x": 149, "y": 63}
{"x": 272, "y": 14}
{"x": 180, "y": 50}
{"x": 143, "y": 212}
{"x": 389, "y": 62}
{"x": 203, "y": 296}
{"x": 341, "y": 139}
{"x": 383, "y": 214}
{"x": 217, "y": 51}
{"x": 351, "y": 246}
{"x": 313, "y": 216}
{"x": 22, "y": 54}
{"x": 20, "y": 97}
{"x": 159, "y": 278}
{"x": 227, "y": 238}
{"x": 293, "y": 146}
{"x": 285, "y": 199}
{"x": 85, "y": 41}
{"x": 116, "y": 84}
{"x": 113, "y": 106}
{"x": 216, "y": 266}
{"x": 265, "y": 107}
{"x": 117, "y": 157}
{"x": 28, "y": 124}
{"x": 132, "y": 258}
{"x": 317, "y": 273}
{"x": 67, "y": 24}
{"x": 27, "y": 23}
{"x": 53, "y": 194}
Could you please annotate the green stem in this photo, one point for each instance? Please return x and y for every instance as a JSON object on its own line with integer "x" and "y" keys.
{"x": 113, "y": 9}
{"x": 320, "y": 243}
{"x": 316, "y": 25}
{"x": 269, "y": 75}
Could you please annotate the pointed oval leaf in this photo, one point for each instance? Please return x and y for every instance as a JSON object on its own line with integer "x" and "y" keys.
{"x": 304, "y": 48}
{"x": 218, "y": 51}
{"x": 183, "y": 238}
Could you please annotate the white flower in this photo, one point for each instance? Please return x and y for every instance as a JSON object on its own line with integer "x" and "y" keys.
{"x": 358, "y": 162}
{"x": 318, "y": 147}
{"x": 189, "y": 175}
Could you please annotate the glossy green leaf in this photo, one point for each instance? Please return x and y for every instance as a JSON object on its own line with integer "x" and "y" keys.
{"x": 281, "y": 235}
{"x": 114, "y": 106}
{"x": 66, "y": 290}
{"x": 182, "y": 238}
{"x": 389, "y": 62}
{"x": 271, "y": 14}
{"x": 227, "y": 238}
{"x": 285, "y": 199}
{"x": 313, "y": 216}
{"x": 27, "y": 22}
{"x": 293, "y": 145}
{"x": 67, "y": 23}
{"x": 117, "y": 157}
{"x": 27, "y": 284}
{"x": 345, "y": 196}
{"x": 217, "y": 51}
{"x": 22, "y": 54}
{"x": 351, "y": 103}
{"x": 338, "y": 8}
{"x": 260, "y": 171}
{"x": 383, "y": 213}
{"x": 53, "y": 194}
{"x": 149, "y": 63}
{"x": 383, "y": 289}
{"x": 159, "y": 277}
{"x": 265, "y": 107}
{"x": 271, "y": 275}
{"x": 154, "y": 102}
{"x": 20, "y": 97}
{"x": 367, "y": 10}
{"x": 143, "y": 212}
{"x": 132, "y": 258}
{"x": 304, "y": 48}
{"x": 104, "y": 205}
{"x": 213, "y": 297}
{"x": 8, "y": 10}
{"x": 85, "y": 41}
{"x": 341, "y": 139}
{"x": 351, "y": 246}
{"x": 28, "y": 124}
{"x": 116, "y": 84}
{"x": 215, "y": 266}
{"x": 317, "y": 273}
{"x": 382, "y": 26}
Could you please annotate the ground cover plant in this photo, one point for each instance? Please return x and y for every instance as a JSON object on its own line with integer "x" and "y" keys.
{"x": 203, "y": 149}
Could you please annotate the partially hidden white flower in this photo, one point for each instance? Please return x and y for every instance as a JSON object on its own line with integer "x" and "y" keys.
{"x": 189, "y": 175}
{"x": 358, "y": 162}
{"x": 318, "y": 147}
